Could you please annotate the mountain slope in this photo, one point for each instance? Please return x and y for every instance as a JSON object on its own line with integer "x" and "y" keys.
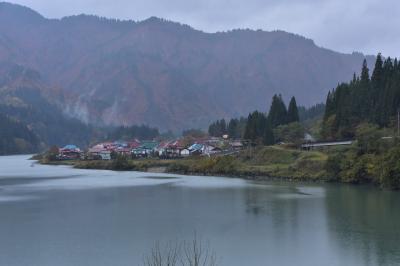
{"x": 163, "y": 73}
{"x": 27, "y": 114}
{"x": 16, "y": 137}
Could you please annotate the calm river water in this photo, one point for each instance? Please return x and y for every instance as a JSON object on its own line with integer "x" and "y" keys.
{"x": 55, "y": 215}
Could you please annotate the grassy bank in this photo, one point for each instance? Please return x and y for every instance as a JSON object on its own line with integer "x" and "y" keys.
{"x": 255, "y": 163}
{"x": 274, "y": 162}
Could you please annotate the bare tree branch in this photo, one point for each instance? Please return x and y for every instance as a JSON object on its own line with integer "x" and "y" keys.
{"x": 186, "y": 253}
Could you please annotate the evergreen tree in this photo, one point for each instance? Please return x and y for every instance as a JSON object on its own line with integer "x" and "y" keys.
{"x": 233, "y": 130}
{"x": 255, "y": 127}
{"x": 277, "y": 114}
{"x": 364, "y": 99}
{"x": 354, "y": 80}
{"x": 241, "y": 127}
{"x": 376, "y": 94}
{"x": 223, "y": 130}
{"x": 293, "y": 112}
{"x": 377, "y": 74}
{"x": 269, "y": 138}
{"x": 313, "y": 112}
{"x": 218, "y": 128}
{"x": 329, "y": 108}
{"x": 365, "y": 106}
{"x": 365, "y": 73}
{"x": 249, "y": 133}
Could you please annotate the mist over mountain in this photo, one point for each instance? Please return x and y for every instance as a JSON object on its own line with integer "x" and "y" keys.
{"x": 165, "y": 74}
{"x": 29, "y": 121}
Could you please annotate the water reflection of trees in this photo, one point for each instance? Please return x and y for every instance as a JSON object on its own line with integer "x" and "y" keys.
{"x": 366, "y": 221}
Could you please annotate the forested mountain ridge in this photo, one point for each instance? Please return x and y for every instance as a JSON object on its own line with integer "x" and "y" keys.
{"x": 27, "y": 114}
{"x": 166, "y": 74}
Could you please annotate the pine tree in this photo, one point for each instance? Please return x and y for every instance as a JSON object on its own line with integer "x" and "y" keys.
{"x": 365, "y": 72}
{"x": 377, "y": 74}
{"x": 249, "y": 133}
{"x": 364, "y": 99}
{"x": 211, "y": 129}
{"x": 269, "y": 138}
{"x": 223, "y": 130}
{"x": 329, "y": 108}
{"x": 277, "y": 113}
{"x": 293, "y": 112}
{"x": 233, "y": 130}
{"x": 354, "y": 80}
{"x": 386, "y": 93}
{"x": 365, "y": 106}
{"x": 376, "y": 90}
{"x": 255, "y": 127}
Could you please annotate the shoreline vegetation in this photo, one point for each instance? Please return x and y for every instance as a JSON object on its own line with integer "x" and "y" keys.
{"x": 258, "y": 163}
{"x": 278, "y": 162}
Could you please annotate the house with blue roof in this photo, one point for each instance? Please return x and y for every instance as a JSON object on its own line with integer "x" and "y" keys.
{"x": 146, "y": 149}
{"x": 70, "y": 152}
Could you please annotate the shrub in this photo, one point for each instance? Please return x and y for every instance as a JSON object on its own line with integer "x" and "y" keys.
{"x": 293, "y": 133}
{"x": 52, "y": 153}
{"x": 121, "y": 162}
{"x": 390, "y": 177}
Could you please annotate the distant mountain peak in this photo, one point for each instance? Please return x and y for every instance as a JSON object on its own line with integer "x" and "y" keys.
{"x": 161, "y": 23}
{"x": 83, "y": 18}
{"x": 19, "y": 13}
{"x": 153, "y": 19}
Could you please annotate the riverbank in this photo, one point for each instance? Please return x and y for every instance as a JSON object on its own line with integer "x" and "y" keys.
{"x": 261, "y": 163}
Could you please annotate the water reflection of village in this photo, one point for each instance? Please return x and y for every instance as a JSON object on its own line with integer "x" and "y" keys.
{"x": 167, "y": 149}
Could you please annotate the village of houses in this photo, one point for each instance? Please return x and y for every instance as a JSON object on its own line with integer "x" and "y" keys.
{"x": 136, "y": 149}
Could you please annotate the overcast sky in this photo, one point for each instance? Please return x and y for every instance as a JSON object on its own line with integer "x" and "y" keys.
{"x": 368, "y": 26}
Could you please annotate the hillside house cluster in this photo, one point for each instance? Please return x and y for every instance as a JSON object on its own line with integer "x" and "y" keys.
{"x": 168, "y": 149}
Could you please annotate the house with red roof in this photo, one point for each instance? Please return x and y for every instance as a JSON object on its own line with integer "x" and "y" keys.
{"x": 70, "y": 152}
